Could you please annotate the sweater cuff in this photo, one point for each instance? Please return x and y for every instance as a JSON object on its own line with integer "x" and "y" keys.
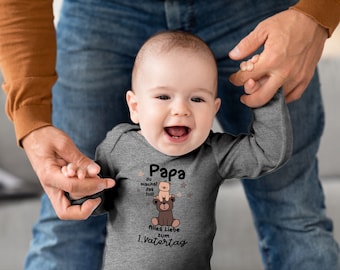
{"x": 29, "y": 104}
{"x": 29, "y": 118}
{"x": 325, "y": 12}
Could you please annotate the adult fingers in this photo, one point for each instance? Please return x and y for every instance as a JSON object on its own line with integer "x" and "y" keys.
{"x": 249, "y": 44}
{"x": 66, "y": 211}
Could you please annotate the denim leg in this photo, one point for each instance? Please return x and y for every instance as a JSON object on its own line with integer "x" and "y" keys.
{"x": 67, "y": 245}
{"x": 97, "y": 42}
{"x": 288, "y": 206}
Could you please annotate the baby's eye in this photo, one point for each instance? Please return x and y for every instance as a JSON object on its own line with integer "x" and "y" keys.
{"x": 197, "y": 99}
{"x": 163, "y": 97}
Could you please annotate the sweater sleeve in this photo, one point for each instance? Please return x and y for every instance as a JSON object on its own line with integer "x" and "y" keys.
{"x": 325, "y": 12}
{"x": 27, "y": 61}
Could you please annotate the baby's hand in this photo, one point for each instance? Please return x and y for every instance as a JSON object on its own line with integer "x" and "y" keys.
{"x": 249, "y": 64}
{"x": 250, "y": 86}
{"x": 72, "y": 171}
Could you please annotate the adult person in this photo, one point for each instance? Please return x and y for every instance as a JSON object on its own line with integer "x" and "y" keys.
{"x": 288, "y": 212}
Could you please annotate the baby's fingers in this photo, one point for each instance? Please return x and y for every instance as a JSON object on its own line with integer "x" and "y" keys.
{"x": 69, "y": 170}
{"x": 249, "y": 65}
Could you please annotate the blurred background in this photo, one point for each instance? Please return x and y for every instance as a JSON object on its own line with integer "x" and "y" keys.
{"x": 235, "y": 242}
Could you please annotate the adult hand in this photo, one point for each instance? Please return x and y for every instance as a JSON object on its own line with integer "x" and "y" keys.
{"x": 48, "y": 149}
{"x": 293, "y": 44}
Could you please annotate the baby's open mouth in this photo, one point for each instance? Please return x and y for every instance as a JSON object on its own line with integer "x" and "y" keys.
{"x": 177, "y": 131}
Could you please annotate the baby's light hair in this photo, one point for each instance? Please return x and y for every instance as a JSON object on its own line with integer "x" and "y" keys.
{"x": 166, "y": 41}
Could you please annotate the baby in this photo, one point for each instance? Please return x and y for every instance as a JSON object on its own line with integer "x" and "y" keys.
{"x": 173, "y": 102}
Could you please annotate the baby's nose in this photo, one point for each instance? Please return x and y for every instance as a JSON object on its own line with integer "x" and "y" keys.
{"x": 181, "y": 108}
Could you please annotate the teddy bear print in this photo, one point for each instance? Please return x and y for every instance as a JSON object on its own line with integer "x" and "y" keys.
{"x": 165, "y": 215}
{"x": 164, "y": 191}
{"x": 164, "y": 203}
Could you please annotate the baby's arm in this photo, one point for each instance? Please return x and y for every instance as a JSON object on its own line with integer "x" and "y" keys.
{"x": 266, "y": 147}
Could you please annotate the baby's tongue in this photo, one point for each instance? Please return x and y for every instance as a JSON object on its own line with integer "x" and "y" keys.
{"x": 176, "y": 131}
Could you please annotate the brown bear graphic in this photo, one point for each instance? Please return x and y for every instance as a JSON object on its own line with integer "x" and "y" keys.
{"x": 165, "y": 216}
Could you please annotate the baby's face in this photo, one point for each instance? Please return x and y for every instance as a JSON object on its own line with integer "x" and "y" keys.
{"x": 174, "y": 100}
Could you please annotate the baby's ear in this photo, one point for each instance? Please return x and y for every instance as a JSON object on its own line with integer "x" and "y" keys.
{"x": 217, "y": 104}
{"x": 131, "y": 100}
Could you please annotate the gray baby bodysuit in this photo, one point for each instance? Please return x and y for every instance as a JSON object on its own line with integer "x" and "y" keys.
{"x": 162, "y": 209}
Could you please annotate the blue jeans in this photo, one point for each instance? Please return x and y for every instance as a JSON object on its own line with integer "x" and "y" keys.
{"x": 97, "y": 43}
